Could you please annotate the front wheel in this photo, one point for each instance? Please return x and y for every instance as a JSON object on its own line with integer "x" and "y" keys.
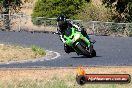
{"x": 83, "y": 50}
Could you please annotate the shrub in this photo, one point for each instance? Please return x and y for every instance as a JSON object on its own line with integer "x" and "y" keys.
{"x": 52, "y": 8}
{"x": 93, "y": 12}
{"x": 38, "y": 50}
{"x": 43, "y": 21}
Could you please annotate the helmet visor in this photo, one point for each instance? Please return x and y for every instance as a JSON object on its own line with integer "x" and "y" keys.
{"x": 61, "y": 22}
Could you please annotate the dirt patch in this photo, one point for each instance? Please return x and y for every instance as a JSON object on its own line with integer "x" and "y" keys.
{"x": 62, "y": 73}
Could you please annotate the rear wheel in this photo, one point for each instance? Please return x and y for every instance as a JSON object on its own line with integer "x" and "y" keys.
{"x": 68, "y": 49}
{"x": 93, "y": 53}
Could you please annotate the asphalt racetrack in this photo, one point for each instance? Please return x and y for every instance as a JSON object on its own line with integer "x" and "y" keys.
{"x": 111, "y": 51}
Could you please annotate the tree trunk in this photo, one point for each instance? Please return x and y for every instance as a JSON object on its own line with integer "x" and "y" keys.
{"x": 6, "y": 15}
{"x": 6, "y": 22}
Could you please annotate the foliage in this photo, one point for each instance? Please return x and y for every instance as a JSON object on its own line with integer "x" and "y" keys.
{"x": 52, "y": 8}
{"x": 95, "y": 12}
{"x": 13, "y": 5}
{"x": 122, "y": 9}
{"x": 38, "y": 50}
{"x": 43, "y": 21}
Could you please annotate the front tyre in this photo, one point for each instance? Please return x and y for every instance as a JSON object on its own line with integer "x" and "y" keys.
{"x": 83, "y": 50}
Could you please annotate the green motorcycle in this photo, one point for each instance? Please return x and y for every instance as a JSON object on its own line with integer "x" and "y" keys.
{"x": 80, "y": 44}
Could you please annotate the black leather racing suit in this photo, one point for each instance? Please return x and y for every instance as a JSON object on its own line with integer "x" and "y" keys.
{"x": 67, "y": 25}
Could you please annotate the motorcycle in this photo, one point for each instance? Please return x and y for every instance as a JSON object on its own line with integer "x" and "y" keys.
{"x": 80, "y": 44}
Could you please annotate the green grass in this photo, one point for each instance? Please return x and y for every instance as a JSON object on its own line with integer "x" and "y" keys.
{"x": 29, "y": 83}
{"x": 38, "y": 50}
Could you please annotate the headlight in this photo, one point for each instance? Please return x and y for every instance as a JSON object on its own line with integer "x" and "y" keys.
{"x": 76, "y": 37}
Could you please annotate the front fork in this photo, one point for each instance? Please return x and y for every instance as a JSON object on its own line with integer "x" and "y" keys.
{"x": 75, "y": 48}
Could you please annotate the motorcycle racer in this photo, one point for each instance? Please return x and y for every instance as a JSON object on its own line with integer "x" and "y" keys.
{"x": 62, "y": 25}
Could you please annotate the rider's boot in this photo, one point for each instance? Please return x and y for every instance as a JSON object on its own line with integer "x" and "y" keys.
{"x": 68, "y": 49}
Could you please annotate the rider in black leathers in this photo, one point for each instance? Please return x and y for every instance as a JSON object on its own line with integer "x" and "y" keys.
{"x": 62, "y": 25}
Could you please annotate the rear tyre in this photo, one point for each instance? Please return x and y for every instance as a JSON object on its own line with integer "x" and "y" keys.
{"x": 93, "y": 53}
{"x": 68, "y": 49}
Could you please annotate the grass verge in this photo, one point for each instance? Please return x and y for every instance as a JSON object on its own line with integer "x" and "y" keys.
{"x": 57, "y": 78}
{"x": 16, "y": 53}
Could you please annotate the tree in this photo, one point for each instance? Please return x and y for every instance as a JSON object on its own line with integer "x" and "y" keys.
{"x": 92, "y": 12}
{"x": 52, "y": 8}
{"x": 6, "y": 6}
{"x": 121, "y": 9}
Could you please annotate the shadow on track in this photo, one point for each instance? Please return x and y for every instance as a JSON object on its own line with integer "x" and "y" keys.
{"x": 85, "y": 57}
